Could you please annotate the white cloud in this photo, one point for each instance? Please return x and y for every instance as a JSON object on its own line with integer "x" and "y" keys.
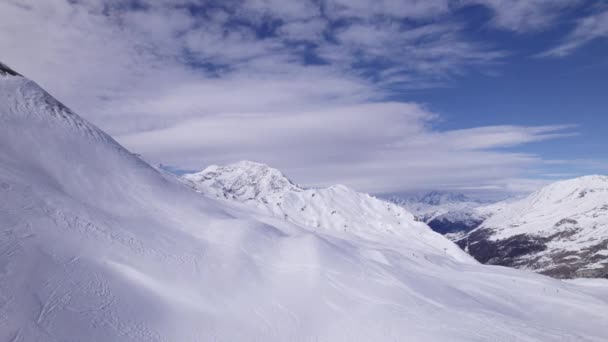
{"x": 189, "y": 88}
{"x": 481, "y": 138}
{"x": 378, "y": 147}
{"x": 525, "y": 15}
{"x": 307, "y": 30}
{"x": 587, "y": 29}
{"x": 413, "y": 9}
{"x": 288, "y": 10}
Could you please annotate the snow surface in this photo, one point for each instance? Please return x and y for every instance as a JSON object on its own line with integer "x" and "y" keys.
{"x": 96, "y": 245}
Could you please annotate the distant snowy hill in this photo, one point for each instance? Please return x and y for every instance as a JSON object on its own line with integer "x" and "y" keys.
{"x": 560, "y": 230}
{"x": 96, "y": 245}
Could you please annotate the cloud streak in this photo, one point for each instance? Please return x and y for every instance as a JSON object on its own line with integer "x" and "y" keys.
{"x": 588, "y": 29}
{"x": 525, "y": 15}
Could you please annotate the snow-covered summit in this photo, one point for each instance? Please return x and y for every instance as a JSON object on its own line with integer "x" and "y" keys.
{"x": 244, "y": 180}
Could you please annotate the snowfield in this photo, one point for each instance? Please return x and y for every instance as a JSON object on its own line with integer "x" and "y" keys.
{"x": 96, "y": 245}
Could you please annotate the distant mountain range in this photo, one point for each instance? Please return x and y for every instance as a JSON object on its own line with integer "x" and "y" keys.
{"x": 448, "y": 213}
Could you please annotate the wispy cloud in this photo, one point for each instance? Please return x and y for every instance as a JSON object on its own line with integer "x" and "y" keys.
{"x": 376, "y": 147}
{"x": 365, "y": 9}
{"x": 525, "y": 15}
{"x": 590, "y": 28}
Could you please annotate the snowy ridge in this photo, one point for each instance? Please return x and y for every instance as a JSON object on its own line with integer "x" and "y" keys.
{"x": 333, "y": 209}
{"x": 564, "y": 226}
{"x": 95, "y": 245}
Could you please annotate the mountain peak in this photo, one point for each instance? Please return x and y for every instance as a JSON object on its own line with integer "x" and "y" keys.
{"x": 245, "y": 180}
{"x": 24, "y": 100}
{"x": 6, "y": 70}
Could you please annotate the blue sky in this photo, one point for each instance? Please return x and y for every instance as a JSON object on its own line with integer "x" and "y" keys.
{"x": 535, "y": 91}
{"x": 497, "y": 96}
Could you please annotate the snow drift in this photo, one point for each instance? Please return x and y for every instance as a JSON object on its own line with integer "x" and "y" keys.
{"x": 96, "y": 245}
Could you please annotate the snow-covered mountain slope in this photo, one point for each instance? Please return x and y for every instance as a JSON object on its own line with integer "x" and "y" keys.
{"x": 331, "y": 210}
{"x": 560, "y": 230}
{"x": 95, "y": 245}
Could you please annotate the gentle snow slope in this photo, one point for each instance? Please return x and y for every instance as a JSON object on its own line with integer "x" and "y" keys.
{"x": 95, "y": 245}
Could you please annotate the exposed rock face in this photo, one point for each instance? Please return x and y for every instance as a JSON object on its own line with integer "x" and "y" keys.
{"x": 531, "y": 252}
